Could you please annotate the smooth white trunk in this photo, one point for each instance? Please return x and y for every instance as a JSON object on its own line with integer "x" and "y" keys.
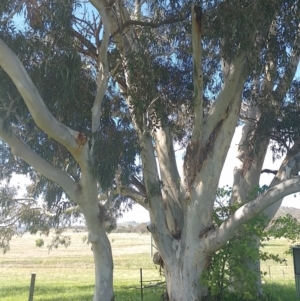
{"x": 254, "y": 266}
{"x": 103, "y": 269}
{"x": 183, "y": 276}
{"x": 188, "y": 258}
{"x": 102, "y": 254}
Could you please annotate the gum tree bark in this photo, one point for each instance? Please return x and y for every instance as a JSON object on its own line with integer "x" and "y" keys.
{"x": 181, "y": 208}
{"x": 84, "y": 191}
{"x": 257, "y": 135}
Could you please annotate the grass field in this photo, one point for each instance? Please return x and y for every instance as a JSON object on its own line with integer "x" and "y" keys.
{"x": 68, "y": 274}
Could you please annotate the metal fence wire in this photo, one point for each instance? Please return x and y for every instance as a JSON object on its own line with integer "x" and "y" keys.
{"x": 148, "y": 285}
{"x": 278, "y": 272}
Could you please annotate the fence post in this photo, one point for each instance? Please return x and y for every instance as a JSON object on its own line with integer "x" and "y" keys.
{"x": 141, "y": 280}
{"x": 31, "y": 290}
{"x": 151, "y": 245}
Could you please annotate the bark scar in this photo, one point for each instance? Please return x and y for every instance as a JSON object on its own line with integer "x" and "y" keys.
{"x": 81, "y": 139}
{"x": 196, "y": 155}
{"x": 198, "y": 12}
{"x": 205, "y": 231}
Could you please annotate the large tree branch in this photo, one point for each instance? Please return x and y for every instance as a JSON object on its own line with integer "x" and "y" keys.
{"x": 253, "y": 208}
{"x": 135, "y": 196}
{"x": 203, "y": 161}
{"x": 127, "y": 42}
{"x": 205, "y": 167}
{"x": 39, "y": 112}
{"x": 285, "y": 82}
{"x": 103, "y": 69}
{"x": 197, "y": 72}
{"x": 138, "y": 184}
{"x": 20, "y": 149}
{"x": 280, "y": 176}
{"x": 224, "y": 100}
{"x": 170, "y": 178}
{"x": 92, "y": 49}
{"x": 169, "y": 21}
{"x": 167, "y": 163}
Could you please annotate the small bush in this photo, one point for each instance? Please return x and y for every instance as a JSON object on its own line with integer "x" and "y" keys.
{"x": 39, "y": 242}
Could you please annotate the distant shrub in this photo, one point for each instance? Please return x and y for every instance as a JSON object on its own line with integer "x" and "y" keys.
{"x": 39, "y": 242}
{"x": 141, "y": 228}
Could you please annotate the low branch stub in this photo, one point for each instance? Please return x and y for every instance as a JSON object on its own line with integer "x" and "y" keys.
{"x": 92, "y": 238}
{"x": 151, "y": 228}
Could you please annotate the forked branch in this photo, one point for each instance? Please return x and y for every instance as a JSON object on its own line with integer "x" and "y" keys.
{"x": 251, "y": 209}
{"x": 35, "y": 104}
{"x": 22, "y": 150}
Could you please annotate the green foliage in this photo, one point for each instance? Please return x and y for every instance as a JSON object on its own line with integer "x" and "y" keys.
{"x": 229, "y": 270}
{"x": 114, "y": 150}
{"x": 39, "y": 242}
{"x": 285, "y": 226}
{"x": 59, "y": 240}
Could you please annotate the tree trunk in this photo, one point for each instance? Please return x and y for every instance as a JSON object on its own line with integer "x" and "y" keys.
{"x": 102, "y": 253}
{"x": 187, "y": 258}
{"x": 103, "y": 269}
{"x": 183, "y": 276}
{"x": 254, "y": 266}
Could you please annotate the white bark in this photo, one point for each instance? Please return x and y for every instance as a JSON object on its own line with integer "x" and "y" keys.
{"x": 197, "y": 74}
{"x": 20, "y": 149}
{"x": 183, "y": 275}
{"x": 224, "y": 100}
{"x": 135, "y": 196}
{"x": 41, "y": 115}
{"x": 83, "y": 192}
{"x": 102, "y": 254}
{"x": 103, "y": 70}
{"x": 186, "y": 255}
{"x": 251, "y": 209}
{"x": 170, "y": 179}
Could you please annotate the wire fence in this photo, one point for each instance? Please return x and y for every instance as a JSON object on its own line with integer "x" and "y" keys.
{"x": 278, "y": 272}
{"x": 149, "y": 286}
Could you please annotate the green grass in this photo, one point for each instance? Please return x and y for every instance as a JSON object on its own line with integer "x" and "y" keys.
{"x": 76, "y": 292}
{"x": 68, "y": 274}
{"x": 281, "y": 291}
{"x": 283, "y": 272}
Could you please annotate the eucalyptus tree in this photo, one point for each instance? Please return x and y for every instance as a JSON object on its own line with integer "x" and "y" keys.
{"x": 270, "y": 111}
{"x": 58, "y": 126}
{"x": 244, "y": 54}
{"x": 166, "y": 73}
